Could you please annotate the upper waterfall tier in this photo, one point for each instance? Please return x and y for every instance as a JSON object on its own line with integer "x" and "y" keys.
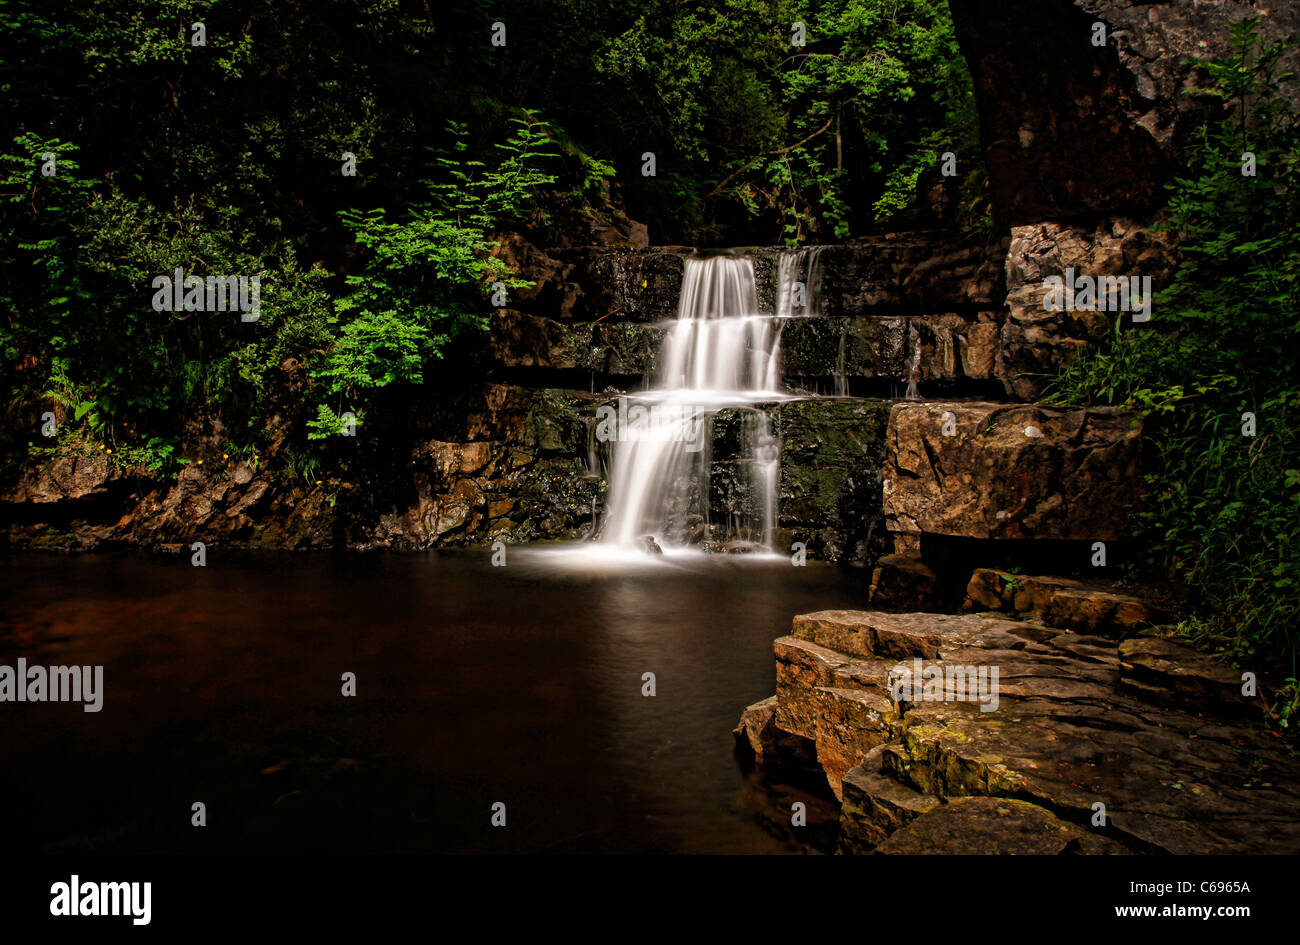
{"x": 720, "y": 347}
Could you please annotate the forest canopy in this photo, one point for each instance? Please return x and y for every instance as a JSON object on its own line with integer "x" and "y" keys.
{"x": 144, "y": 136}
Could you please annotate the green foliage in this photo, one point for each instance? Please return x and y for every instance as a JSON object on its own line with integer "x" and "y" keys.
{"x": 824, "y": 139}
{"x": 224, "y": 159}
{"x": 1222, "y": 510}
{"x": 428, "y": 274}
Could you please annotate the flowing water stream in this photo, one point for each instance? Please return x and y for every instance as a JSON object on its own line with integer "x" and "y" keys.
{"x": 721, "y": 353}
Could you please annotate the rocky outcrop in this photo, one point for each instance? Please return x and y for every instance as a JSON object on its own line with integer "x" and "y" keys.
{"x": 511, "y": 463}
{"x": 1073, "y": 129}
{"x": 910, "y": 273}
{"x": 898, "y": 274}
{"x": 982, "y": 470}
{"x": 829, "y": 487}
{"x": 1162, "y": 670}
{"x": 75, "y": 475}
{"x": 1077, "y": 744}
{"x": 1033, "y": 342}
{"x": 614, "y": 349}
{"x": 946, "y": 351}
{"x": 517, "y": 471}
{"x": 998, "y": 826}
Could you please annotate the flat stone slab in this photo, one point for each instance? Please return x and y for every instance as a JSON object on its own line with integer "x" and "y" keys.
{"x": 1085, "y": 606}
{"x": 883, "y": 635}
{"x": 993, "y": 825}
{"x": 1173, "y": 673}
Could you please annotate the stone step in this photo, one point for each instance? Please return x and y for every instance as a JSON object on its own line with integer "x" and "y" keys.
{"x": 992, "y": 825}
{"x": 1165, "y": 671}
{"x": 759, "y": 733}
{"x": 1079, "y": 725}
{"x": 1169, "y": 781}
{"x": 1068, "y": 603}
{"x": 875, "y": 805}
{"x": 875, "y": 634}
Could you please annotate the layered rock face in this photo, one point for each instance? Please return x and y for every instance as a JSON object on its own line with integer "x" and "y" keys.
{"x": 983, "y": 470}
{"x": 1034, "y": 342}
{"x": 1106, "y": 735}
{"x": 509, "y": 454}
{"x": 1073, "y": 742}
{"x": 1087, "y": 109}
{"x": 524, "y": 466}
{"x": 925, "y": 307}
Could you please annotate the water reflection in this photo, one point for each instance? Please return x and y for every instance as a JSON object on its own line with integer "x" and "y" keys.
{"x": 474, "y": 684}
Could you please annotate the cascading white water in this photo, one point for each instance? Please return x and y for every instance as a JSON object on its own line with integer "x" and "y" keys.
{"x": 720, "y": 347}
{"x": 799, "y": 268}
{"x": 719, "y": 353}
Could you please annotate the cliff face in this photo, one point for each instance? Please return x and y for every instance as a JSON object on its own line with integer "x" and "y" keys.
{"x": 1072, "y": 129}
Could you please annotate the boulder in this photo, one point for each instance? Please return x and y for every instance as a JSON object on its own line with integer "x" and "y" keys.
{"x": 980, "y": 470}
{"x": 1073, "y": 604}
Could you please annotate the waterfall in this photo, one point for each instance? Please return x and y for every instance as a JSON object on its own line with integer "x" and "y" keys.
{"x": 914, "y": 363}
{"x": 720, "y": 353}
{"x": 799, "y": 267}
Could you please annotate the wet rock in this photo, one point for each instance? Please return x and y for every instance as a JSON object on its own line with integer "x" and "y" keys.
{"x": 947, "y": 348}
{"x": 988, "y": 825}
{"x": 875, "y": 805}
{"x": 1074, "y": 725}
{"x": 759, "y": 733}
{"x": 615, "y": 348}
{"x": 829, "y": 485}
{"x": 1085, "y": 606}
{"x": 893, "y": 275}
{"x": 988, "y": 480}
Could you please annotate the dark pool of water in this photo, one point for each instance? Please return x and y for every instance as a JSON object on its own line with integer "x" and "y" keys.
{"x": 475, "y": 685}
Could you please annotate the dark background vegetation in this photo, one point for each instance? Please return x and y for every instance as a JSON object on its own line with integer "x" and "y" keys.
{"x": 226, "y": 159}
